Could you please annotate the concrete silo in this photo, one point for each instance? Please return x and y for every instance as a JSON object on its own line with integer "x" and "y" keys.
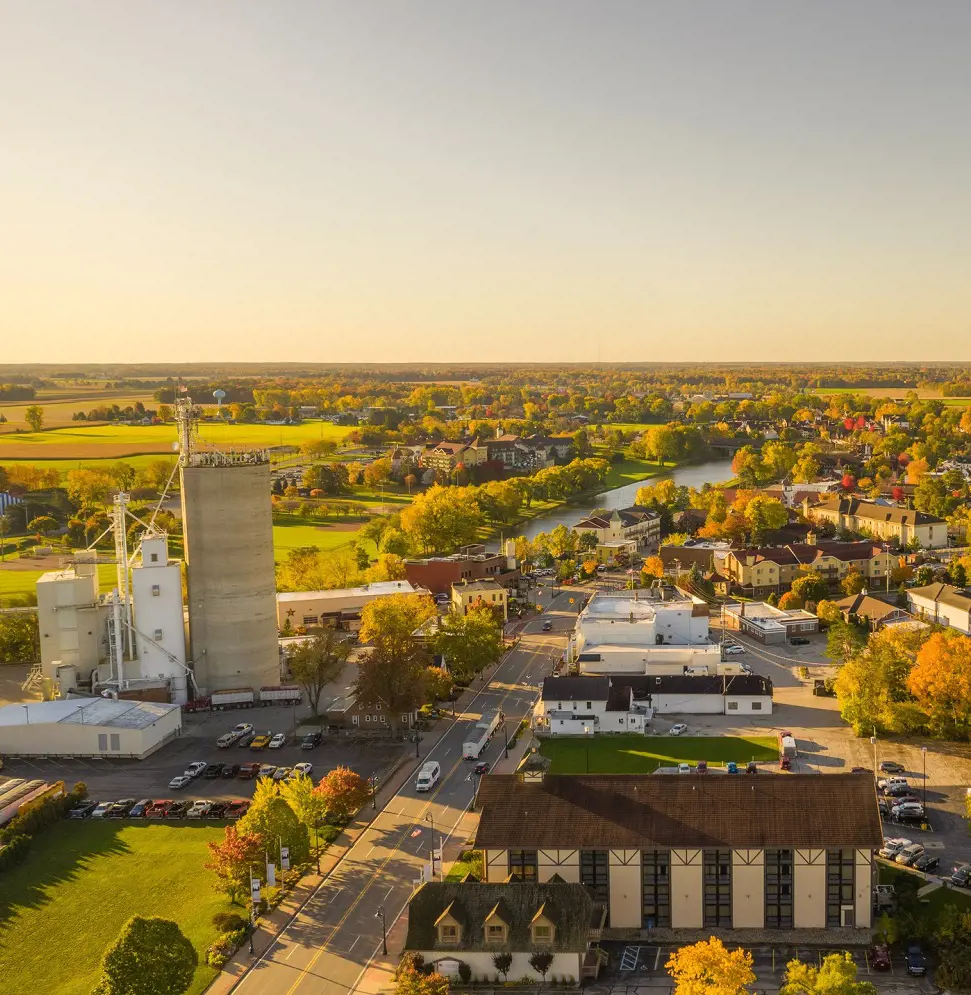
{"x": 228, "y": 530}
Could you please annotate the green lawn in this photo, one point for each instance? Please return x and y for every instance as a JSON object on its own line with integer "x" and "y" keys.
{"x": 630, "y": 470}
{"x": 643, "y": 754}
{"x": 16, "y": 582}
{"x": 293, "y": 533}
{"x": 67, "y": 902}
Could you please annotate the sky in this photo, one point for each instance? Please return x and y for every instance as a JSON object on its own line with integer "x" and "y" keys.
{"x": 516, "y": 181}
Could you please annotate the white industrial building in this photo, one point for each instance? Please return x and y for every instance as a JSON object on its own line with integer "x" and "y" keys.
{"x": 88, "y": 727}
{"x": 653, "y": 631}
{"x": 340, "y": 608}
{"x": 71, "y": 618}
{"x": 942, "y": 604}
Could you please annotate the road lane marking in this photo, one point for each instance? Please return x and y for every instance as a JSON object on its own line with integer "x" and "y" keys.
{"x": 405, "y": 835}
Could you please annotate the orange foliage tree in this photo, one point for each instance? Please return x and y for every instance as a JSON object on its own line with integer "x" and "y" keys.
{"x": 344, "y": 792}
{"x": 941, "y": 682}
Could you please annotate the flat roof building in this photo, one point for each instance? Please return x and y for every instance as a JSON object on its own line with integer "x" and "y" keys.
{"x": 325, "y": 608}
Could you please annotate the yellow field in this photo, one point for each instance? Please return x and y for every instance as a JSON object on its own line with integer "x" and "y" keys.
{"x": 60, "y": 403}
{"x": 91, "y": 442}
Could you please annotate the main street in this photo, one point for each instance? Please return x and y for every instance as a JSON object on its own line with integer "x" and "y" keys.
{"x": 329, "y": 944}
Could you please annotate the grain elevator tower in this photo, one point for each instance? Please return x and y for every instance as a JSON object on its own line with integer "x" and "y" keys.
{"x": 228, "y": 532}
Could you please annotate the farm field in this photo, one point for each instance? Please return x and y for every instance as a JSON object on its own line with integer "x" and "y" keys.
{"x": 60, "y": 404}
{"x": 643, "y": 754}
{"x": 82, "y": 881}
{"x": 91, "y": 442}
{"x": 895, "y": 393}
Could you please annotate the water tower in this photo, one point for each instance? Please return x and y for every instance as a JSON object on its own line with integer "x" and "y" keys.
{"x": 230, "y": 577}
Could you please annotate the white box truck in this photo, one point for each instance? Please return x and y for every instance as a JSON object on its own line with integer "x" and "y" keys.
{"x": 233, "y": 698}
{"x": 281, "y": 694}
{"x": 482, "y": 732}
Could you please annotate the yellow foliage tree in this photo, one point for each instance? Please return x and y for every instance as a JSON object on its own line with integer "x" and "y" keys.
{"x": 708, "y": 968}
{"x": 941, "y": 681}
{"x": 653, "y": 566}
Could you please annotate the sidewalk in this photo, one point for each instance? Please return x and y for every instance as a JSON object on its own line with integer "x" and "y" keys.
{"x": 272, "y": 924}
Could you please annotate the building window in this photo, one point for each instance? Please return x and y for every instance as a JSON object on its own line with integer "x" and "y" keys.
{"x": 404, "y": 717}
{"x": 595, "y": 874}
{"x": 382, "y": 718}
{"x": 156, "y": 590}
{"x": 355, "y": 720}
{"x": 656, "y": 885}
{"x": 542, "y": 934}
{"x": 495, "y": 934}
{"x": 778, "y": 889}
{"x": 448, "y": 934}
{"x": 733, "y": 706}
{"x": 756, "y": 706}
{"x": 718, "y": 887}
{"x": 158, "y": 634}
{"x": 589, "y": 705}
{"x": 154, "y": 557}
{"x": 839, "y": 886}
{"x": 522, "y": 865}
{"x": 367, "y": 718}
{"x": 115, "y": 741}
{"x": 103, "y": 742}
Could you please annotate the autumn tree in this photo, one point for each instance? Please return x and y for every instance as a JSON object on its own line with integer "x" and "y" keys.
{"x": 87, "y": 487}
{"x": 653, "y": 566}
{"x": 317, "y": 662}
{"x": 389, "y": 623}
{"x": 301, "y": 794}
{"x": 392, "y": 680}
{"x": 442, "y": 519}
{"x": 34, "y": 416}
{"x": 438, "y": 684}
{"x": 469, "y": 643}
{"x": 835, "y": 976}
{"x": 708, "y": 968}
{"x": 410, "y": 981}
{"x": 343, "y": 792}
{"x": 271, "y": 818}
{"x": 853, "y": 583}
{"x": 941, "y": 682}
{"x": 43, "y": 524}
{"x": 829, "y": 611}
{"x": 809, "y": 587}
{"x": 232, "y": 860}
{"x": 150, "y": 957}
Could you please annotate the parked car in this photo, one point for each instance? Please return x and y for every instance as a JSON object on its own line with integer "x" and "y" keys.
{"x": 891, "y": 767}
{"x": 83, "y": 810}
{"x": 960, "y": 876}
{"x": 482, "y": 767}
{"x": 926, "y": 862}
{"x": 280, "y": 739}
{"x": 679, "y": 729}
{"x": 226, "y": 740}
{"x": 684, "y": 768}
{"x": 158, "y": 808}
{"x": 213, "y": 770}
{"x": 785, "y": 763}
{"x": 908, "y": 810}
{"x": 266, "y": 770}
{"x": 235, "y": 809}
{"x": 262, "y": 741}
{"x": 242, "y": 728}
{"x": 121, "y": 808}
{"x": 229, "y": 770}
{"x": 138, "y": 810}
{"x": 180, "y": 781}
{"x": 884, "y": 782}
{"x": 731, "y": 767}
{"x": 195, "y": 769}
{"x": 860, "y": 770}
{"x": 897, "y": 790}
{"x": 282, "y": 773}
{"x": 751, "y": 767}
{"x": 177, "y": 810}
{"x": 702, "y": 767}
{"x": 246, "y": 740}
{"x": 799, "y": 641}
{"x": 733, "y": 650}
{"x": 879, "y": 957}
{"x": 248, "y": 771}
{"x": 547, "y": 625}
{"x": 893, "y": 846}
{"x": 199, "y": 809}
{"x": 311, "y": 740}
{"x": 916, "y": 967}
{"x": 101, "y": 810}
{"x": 909, "y": 854}
{"x": 304, "y": 768}
{"x": 218, "y": 810}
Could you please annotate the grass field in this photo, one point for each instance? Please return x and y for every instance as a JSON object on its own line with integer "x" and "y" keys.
{"x": 631, "y": 470}
{"x": 895, "y": 393}
{"x": 643, "y": 754}
{"x": 90, "y": 442}
{"x": 61, "y": 403}
{"x": 67, "y": 902}
{"x": 15, "y": 582}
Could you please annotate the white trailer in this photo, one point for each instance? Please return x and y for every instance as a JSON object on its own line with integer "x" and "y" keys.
{"x": 482, "y": 732}
{"x": 232, "y": 698}
{"x": 281, "y": 694}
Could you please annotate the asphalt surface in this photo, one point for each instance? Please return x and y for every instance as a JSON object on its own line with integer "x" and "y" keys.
{"x": 328, "y": 946}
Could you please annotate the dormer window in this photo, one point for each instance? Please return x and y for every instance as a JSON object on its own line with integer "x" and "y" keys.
{"x": 495, "y": 932}
{"x": 542, "y": 933}
{"x": 448, "y": 933}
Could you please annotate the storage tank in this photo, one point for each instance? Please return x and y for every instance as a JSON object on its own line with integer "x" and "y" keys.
{"x": 228, "y": 530}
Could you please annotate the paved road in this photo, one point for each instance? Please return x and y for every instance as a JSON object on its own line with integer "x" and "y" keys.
{"x": 328, "y": 946}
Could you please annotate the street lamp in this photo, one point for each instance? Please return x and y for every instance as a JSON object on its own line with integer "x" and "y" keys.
{"x": 873, "y": 743}
{"x": 923, "y": 757}
{"x": 384, "y": 929}
{"x": 431, "y": 821}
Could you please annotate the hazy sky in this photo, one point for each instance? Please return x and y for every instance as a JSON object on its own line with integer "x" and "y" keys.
{"x": 411, "y": 181}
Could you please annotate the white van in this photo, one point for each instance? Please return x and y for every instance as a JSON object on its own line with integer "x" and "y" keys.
{"x": 428, "y": 776}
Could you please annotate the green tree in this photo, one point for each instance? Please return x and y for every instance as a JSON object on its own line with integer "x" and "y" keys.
{"x": 389, "y": 623}
{"x": 34, "y": 416}
{"x": 19, "y": 637}
{"x": 124, "y": 475}
{"x": 809, "y": 587}
{"x": 747, "y": 465}
{"x": 853, "y": 583}
{"x": 502, "y": 963}
{"x": 836, "y": 976}
{"x": 393, "y": 680}
{"x": 806, "y": 469}
{"x": 271, "y": 818}
{"x": 150, "y": 957}
{"x": 442, "y": 519}
{"x": 438, "y": 684}
{"x": 541, "y": 962}
{"x": 844, "y": 640}
{"x": 43, "y": 524}
{"x": 764, "y": 514}
{"x": 469, "y": 643}
{"x": 319, "y": 661}
{"x": 301, "y": 794}
{"x": 87, "y": 487}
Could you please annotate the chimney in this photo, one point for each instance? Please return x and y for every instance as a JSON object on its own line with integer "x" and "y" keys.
{"x": 811, "y": 538}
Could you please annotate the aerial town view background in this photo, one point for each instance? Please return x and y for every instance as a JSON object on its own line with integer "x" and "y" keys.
{"x": 485, "y": 498}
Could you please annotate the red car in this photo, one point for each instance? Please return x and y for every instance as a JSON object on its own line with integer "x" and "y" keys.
{"x": 879, "y": 957}
{"x": 159, "y": 809}
{"x": 248, "y": 771}
{"x": 785, "y": 763}
{"x": 235, "y": 809}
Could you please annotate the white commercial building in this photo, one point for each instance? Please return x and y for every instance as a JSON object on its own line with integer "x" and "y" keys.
{"x": 87, "y": 727}
{"x": 942, "y": 604}
{"x": 331, "y": 608}
{"x": 653, "y": 631}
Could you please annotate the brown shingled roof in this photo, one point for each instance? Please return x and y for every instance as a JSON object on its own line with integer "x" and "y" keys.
{"x": 642, "y": 810}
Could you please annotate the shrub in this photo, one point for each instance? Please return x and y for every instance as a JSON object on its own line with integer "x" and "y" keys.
{"x": 226, "y": 922}
{"x": 465, "y": 972}
{"x": 13, "y": 851}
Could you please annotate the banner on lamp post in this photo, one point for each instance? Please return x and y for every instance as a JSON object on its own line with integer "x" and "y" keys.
{"x": 284, "y": 858}
{"x": 270, "y": 875}
{"x": 254, "y": 887}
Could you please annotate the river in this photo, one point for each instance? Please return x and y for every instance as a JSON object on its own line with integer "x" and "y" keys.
{"x": 693, "y": 475}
